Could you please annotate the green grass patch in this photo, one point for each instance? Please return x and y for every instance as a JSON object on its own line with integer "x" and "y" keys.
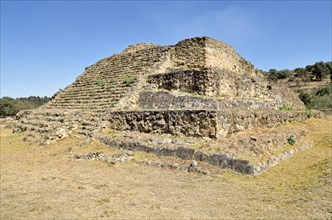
{"x": 128, "y": 80}
{"x": 285, "y": 108}
{"x": 101, "y": 82}
{"x": 93, "y": 93}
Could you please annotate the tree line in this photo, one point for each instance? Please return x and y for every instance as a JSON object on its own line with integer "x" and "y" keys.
{"x": 10, "y": 106}
{"x": 315, "y": 72}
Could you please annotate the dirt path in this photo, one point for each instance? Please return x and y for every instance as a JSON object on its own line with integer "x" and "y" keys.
{"x": 41, "y": 183}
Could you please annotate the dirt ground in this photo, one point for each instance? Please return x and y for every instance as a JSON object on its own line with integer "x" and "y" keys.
{"x": 42, "y": 183}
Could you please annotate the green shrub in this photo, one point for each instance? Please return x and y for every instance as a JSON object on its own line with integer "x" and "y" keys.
{"x": 309, "y": 113}
{"x": 279, "y": 74}
{"x": 224, "y": 94}
{"x": 93, "y": 93}
{"x": 285, "y": 108}
{"x": 324, "y": 91}
{"x": 7, "y": 108}
{"x": 129, "y": 80}
{"x": 291, "y": 140}
{"x": 305, "y": 98}
{"x": 101, "y": 82}
{"x": 321, "y": 102}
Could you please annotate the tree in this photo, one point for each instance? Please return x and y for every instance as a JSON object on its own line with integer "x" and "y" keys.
{"x": 309, "y": 68}
{"x": 305, "y": 97}
{"x": 272, "y": 75}
{"x": 329, "y": 66}
{"x": 7, "y": 107}
{"x": 283, "y": 74}
{"x": 298, "y": 70}
{"x": 320, "y": 70}
{"x": 324, "y": 91}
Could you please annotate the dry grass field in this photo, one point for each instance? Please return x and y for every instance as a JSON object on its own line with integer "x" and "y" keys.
{"x": 42, "y": 183}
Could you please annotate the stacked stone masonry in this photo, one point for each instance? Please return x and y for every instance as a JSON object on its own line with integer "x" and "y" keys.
{"x": 167, "y": 100}
{"x": 199, "y": 123}
{"x": 216, "y": 82}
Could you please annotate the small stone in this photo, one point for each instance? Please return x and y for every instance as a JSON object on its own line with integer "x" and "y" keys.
{"x": 111, "y": 161}
{"x": 129, "y": 153}
{"x": 158, "y": 164}
{"x": 193, "y": 163}
{"x": 253, "y": 138}
{"x": 183, "y": 168}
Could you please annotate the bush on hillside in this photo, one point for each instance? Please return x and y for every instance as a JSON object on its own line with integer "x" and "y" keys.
{"x": 7, "y": 107}
{"x": 324, "y": 91}
{"x": 305, "y": 98}
{"x": 319, "y": 99}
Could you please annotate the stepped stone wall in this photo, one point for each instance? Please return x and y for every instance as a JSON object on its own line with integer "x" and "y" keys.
{"x": 167, "y": 100}
{"x": 199, "y": 123}
{"x": 217, "y": 82}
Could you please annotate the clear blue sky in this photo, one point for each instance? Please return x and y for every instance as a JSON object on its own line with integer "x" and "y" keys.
{"x": 45, "y": 45}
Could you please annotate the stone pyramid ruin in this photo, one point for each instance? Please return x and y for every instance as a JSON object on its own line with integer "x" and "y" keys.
{"x": 196, "y": 100}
